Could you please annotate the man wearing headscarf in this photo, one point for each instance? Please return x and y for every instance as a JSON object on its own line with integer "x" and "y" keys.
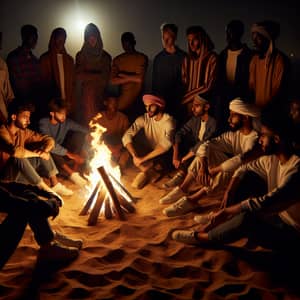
{"x": 158, "y": 128}
{"x": 199, "y": 69}
{"x": 58, "y": 69}
{"x": 216, "y": 160}
{"x": 93, "y": 66}
{"x": 269, "y": 67}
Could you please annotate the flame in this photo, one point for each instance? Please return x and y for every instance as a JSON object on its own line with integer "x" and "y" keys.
{"x": 102, "y": 157}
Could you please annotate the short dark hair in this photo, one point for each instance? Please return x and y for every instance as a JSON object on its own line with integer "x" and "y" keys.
{"x": 57, "y": 104}
{"x": 169, "y": 27}
{"x": 128, "y": 37}
{"x": 202, "y": 34}
{"x": 28, "y": 31}
{"x": 237, "y": 26}
{"x": 17, "y": 106}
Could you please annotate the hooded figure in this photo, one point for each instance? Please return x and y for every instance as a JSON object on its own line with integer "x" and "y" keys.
{"x": 58, "y": 69}
{"x": 199, "y": 70}
{"x": 269, "y": 67}
{"x": 93, "y": 65}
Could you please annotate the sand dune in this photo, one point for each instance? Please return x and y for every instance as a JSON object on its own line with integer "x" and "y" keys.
{"x": 136, "y": 259}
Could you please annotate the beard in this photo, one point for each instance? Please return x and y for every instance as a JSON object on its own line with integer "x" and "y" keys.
{"x": 235, "y": 126}
{"x": 270, "y": 148}
{"x": 20, "y": 125}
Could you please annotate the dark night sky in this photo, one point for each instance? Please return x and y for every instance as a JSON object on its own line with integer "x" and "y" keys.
{"x": 143, "y": 18}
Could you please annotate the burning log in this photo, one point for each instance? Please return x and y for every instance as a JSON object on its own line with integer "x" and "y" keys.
{"x": 106, "y": 200}
{"x": 112, "y": 192}
{"x": 90, "y": 201}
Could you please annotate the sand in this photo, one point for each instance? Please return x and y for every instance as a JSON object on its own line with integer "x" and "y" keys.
{"x": 137, "y": 259}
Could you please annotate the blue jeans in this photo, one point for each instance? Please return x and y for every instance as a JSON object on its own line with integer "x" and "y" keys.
{"x": 28, "y": 170}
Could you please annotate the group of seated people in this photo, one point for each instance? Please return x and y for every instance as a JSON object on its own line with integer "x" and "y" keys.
{"x": 258, "y": 142}
{"x": 30, "y": 189}
{"x": 255, "y": 166}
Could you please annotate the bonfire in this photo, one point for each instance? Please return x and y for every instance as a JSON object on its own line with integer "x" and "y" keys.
{"x": 107, "y": 196}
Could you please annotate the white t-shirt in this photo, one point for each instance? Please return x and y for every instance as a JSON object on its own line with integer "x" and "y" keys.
{"x": 233, "y": 143}
{"x": 157, "y": 132}
{"x": 283, "y": 182}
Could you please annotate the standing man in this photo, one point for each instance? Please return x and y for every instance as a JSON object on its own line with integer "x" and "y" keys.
{"x": 159, "y": 129}
{"x": 166, "y": 73}
{"x": 233, "y": 74}
{"x": 199, "y": 70}
{"x": 58, "y": 70}
{"x": 269, "y": 67}
{"x": 128, "y": 71}
{"x": 24, "y": 68}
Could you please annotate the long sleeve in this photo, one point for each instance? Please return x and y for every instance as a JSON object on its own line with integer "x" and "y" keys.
{"x": 133, "y": 130}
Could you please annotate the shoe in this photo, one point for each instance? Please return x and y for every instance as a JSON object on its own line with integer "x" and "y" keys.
{"x": 180, "y": 208}
{"x": 175, "y": 181}
{"x": 78, "y": 180}
{"x": 185, "y": 236}
{"x": 57, "y": 252}
{"x": 64, "y": 240}
{"x": 203, "y": 219}
{"x": 62, "y": 190}
{"x": 172, "y": 196}
{"x": 140, "y": 180}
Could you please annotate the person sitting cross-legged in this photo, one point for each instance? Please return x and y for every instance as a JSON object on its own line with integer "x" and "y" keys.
{"x": 59, "y": 126}
{"x": 27, "y": 204}
{"x": 215, "y": 161}
{"x": 271, "y": 219}
{"x": 199, "y": 128}
{"x": 158, "y": 129}
{"x": 25, "y": 154}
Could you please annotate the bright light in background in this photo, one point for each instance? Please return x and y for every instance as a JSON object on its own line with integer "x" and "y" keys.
{"x": 80, "y": 25}
{"x": 74, "y": 21}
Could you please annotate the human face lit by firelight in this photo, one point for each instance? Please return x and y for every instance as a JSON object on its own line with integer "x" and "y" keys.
{"x": 267, "y": 140}
{"x": 235, "y": 120}
{"x": 194, "y": 42}
{"x": 60, "y": 116}
{"x": 22, "y": 119}
{"x": 152, "y": 110}
{"x": 168, "y": 39}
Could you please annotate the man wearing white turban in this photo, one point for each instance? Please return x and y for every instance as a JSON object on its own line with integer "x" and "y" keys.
{"x": 216, "y": 160}
{"x": 269, "y": 68}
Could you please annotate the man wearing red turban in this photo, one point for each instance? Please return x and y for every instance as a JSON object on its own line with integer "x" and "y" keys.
{"x": 158, "y": 128}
